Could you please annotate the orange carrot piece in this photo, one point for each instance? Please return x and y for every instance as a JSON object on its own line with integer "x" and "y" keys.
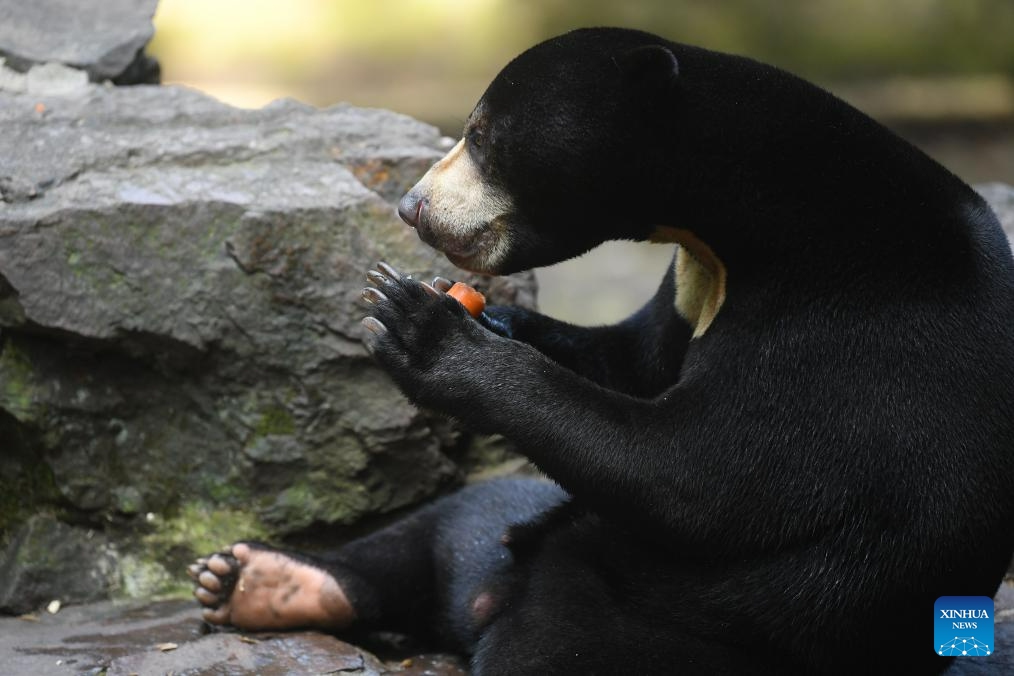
{"x": 473, "y": 301}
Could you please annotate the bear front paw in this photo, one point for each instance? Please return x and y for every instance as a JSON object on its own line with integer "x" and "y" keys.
{"x": 419, "y": 334}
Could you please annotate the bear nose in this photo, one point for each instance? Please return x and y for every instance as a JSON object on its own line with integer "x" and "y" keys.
{"x": 410, "y": 208}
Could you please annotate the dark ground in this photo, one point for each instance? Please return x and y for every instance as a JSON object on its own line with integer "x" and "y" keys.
{"x": 167, "y": 637}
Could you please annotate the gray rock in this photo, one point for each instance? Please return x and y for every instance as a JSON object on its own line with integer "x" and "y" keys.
{"x": 47, "y": 79}
{"x": 1001, "y": 197}
{"x": 168, "y": 638}
{"x": 106, "y": 39}
{"x": 180, "y": 362}
{"x": 50, "y": 561}
{"x": 234, "y": 654}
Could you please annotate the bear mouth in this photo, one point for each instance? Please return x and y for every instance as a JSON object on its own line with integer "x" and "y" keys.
{"x": 475, "y": 247}
{"x": 472, "y": 252}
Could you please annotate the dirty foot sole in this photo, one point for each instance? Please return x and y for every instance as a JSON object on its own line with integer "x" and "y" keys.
{"x": 252, "y": 587}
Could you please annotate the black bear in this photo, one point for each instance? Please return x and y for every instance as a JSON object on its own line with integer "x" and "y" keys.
{"x": 775, "y": 467}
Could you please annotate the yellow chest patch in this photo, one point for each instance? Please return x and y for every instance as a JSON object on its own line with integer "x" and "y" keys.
{"x": 700, "y": 278}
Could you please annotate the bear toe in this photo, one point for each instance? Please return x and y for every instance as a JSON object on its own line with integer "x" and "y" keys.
{"x": 254, "y": 587}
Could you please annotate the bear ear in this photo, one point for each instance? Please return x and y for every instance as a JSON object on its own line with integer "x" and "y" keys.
{"x": 650, "y": 63}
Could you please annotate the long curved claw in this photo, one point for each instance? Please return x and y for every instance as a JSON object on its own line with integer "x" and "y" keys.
{"x": 374, "y": 326}
{"x": 373, "y": 296}
{"x": 390, "y": 272}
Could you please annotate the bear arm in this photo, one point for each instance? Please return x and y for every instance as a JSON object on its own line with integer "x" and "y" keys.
{"x": 624, "y": 454}
{"x": 619, "y": 454}
{"x": 640, "y": 356}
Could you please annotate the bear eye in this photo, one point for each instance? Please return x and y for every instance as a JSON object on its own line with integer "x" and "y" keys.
{"x": 475, "y": 137}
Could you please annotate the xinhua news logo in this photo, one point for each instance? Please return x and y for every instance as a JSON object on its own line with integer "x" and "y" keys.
{"x": 963, "y": 626}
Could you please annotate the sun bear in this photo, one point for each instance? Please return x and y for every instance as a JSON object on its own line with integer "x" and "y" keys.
{"x": 774, "y": 467}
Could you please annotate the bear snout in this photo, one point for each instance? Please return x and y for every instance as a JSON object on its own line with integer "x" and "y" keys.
{"x": 410, "y": 208}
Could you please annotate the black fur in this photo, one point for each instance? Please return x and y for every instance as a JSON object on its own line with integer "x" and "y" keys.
{"x": 796, "y": 486}
{"x": 421, "y": 575}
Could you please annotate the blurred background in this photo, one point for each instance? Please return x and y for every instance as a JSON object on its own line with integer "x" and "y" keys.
{"x": 939, "y": 72}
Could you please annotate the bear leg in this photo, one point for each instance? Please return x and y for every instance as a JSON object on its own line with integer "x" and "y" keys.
{"x": 437, "y": 573}
{"x": 254, "y": 587}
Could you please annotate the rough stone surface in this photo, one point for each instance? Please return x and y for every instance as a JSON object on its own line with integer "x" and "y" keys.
{"x": 168, "y": 638}
{"x": 46, "y": 549}
{"x": 180, "y": 355}
{"x": 105, "y": 39}
{"x": 47, "y": 79}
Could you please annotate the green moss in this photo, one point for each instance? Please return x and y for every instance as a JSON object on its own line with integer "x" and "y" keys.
{"x": 21, "y": 494}
{"x": 17, "y": 384}
{"x": 156, "y": 564}
{"x": 140, "y": 578}
{"x": 198, "y": 529}
{"x": 127, "y": 499}
{"x": 318, "y": 498}
{"x": 87, "y": 257}
{"x": 274, "y": 420}
{"x": 343, "y": 457}
{"x": 11, "y": 312}
{"x": 225, "y": 491}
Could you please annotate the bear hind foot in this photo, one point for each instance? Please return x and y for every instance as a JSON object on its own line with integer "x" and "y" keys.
{"x": 252, "y": 587}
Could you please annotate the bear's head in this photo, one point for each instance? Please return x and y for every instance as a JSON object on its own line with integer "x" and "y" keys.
{"x": 556, "y": 157}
